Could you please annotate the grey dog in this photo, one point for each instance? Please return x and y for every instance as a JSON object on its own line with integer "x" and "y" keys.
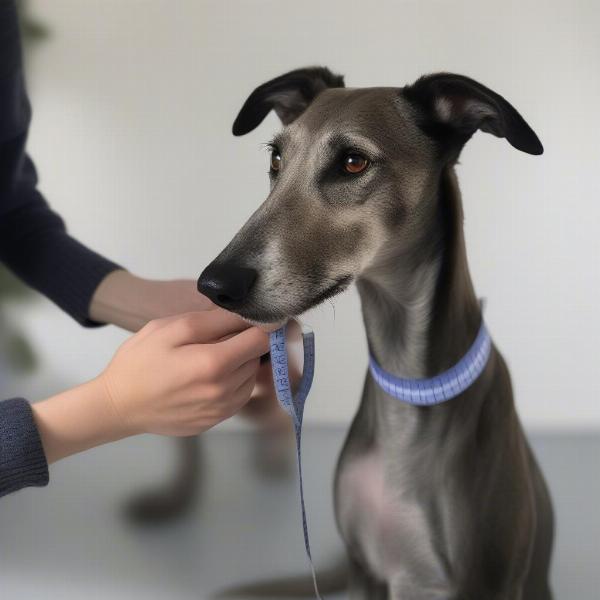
{"x": 441, "y": 502}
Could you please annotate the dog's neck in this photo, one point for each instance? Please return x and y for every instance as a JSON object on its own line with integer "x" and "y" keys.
{"x": 420, "y": 310}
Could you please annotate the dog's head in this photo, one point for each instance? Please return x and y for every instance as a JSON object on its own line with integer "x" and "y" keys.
{"x": 353, "y": 174}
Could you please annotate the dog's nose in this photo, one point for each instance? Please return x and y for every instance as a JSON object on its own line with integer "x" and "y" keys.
{"x": 227, "y": 285}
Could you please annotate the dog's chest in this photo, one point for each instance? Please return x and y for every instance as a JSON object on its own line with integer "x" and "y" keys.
{"x": 388, "y": 529}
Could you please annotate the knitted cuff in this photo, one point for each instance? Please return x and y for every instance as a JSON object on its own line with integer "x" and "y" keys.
{"x": 22, "y": 459}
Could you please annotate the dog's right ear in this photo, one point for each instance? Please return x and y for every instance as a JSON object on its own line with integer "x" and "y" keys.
{"x": 288, "y": 95}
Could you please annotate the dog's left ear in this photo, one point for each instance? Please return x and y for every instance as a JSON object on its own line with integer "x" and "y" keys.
{"x": 288, "y": 95}
{"x": 454, "y": 107}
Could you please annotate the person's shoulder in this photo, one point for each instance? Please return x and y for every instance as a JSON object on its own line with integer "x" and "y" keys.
{"x": 15, "y": 111}
{"x": 10, "y": 44}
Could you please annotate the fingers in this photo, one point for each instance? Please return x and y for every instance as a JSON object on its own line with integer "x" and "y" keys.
{"x": 202, "y": 327}
{"x": 239, "y": 349}
{"x": 242, "y": 394}
{"x": 242, "y": 374}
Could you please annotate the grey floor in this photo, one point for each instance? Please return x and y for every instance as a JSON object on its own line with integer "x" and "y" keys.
{"x": 70, "y": 540}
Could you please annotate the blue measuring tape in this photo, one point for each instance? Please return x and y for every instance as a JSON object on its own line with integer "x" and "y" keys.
{"x": 293, "y": 404}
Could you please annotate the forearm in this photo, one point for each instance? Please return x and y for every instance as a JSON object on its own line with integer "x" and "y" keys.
{"x": 121, "y": 299}
{"x": 78, "y": 419}
{"x": 130, "y": 302}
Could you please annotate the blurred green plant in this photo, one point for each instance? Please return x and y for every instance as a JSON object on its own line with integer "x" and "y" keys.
{"x": 32, "y": 30}
{"x": 15, "y": 350}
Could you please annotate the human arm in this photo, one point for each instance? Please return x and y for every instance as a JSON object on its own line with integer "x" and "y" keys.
{"x": 34, "y": 242}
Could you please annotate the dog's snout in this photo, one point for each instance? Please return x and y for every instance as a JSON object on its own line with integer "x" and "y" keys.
{"x": 227, "y": 285}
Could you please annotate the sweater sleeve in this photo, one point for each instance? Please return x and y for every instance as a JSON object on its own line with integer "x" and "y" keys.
{"x": 35, "y": 245}
{"x": 34, "y": 242}
{"x": 22, "y": 459}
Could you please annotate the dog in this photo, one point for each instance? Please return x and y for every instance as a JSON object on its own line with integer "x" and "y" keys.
{"x": 432, "y": 502}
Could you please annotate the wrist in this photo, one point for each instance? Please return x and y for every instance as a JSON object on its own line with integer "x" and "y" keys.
{"x": 77, "y": 420}
{"x": 121, "y": 420}
{"x": 122, "y": 299}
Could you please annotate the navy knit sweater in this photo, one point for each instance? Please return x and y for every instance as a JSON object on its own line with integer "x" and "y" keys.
{"x": 34, "y": 244}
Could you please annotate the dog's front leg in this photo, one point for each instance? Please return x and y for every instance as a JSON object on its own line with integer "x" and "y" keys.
{"x": 402, "y": 589}
{"x": 362, "y": 586}
{"x": 176, "y": 496}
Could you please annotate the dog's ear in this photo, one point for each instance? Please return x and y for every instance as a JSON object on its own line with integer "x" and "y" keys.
{"x": 454, "y": 107}
{"x": 288, "y": 95}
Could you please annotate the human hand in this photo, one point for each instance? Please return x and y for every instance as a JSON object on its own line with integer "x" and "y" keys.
{"x": 177, "y": 376}
{"x": 183, "y": 375}
{"x": 130, "y": 302}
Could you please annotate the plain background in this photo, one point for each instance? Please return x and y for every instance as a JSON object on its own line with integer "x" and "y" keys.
{"x": 133, "y": 105}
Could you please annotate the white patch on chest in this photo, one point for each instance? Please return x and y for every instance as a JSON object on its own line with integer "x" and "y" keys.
{"x": 389, "y": 529}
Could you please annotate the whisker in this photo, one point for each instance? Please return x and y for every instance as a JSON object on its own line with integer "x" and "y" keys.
{"x": 333, "y": 307}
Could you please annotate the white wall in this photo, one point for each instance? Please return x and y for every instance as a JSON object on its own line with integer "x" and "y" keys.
{"x": 134, "y": 102}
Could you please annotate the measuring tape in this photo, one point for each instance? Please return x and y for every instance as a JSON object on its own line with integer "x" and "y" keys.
{"x": 293, "y": 404}
{"x": 442, "y": 387}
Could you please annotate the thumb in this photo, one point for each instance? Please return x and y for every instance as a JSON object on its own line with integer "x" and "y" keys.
{"x": 203, "y": 327}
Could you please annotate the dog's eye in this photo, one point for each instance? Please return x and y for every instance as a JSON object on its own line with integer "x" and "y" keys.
{"x": 355, "y": 163}
{"x": 275, "y": 161}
